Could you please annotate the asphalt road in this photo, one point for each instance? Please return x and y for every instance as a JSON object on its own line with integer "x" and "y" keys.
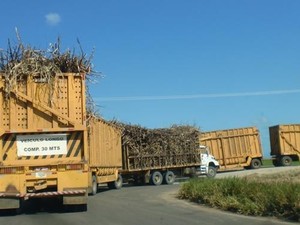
{"x": 261, "y": 171}
{"x": 135, "y": 205}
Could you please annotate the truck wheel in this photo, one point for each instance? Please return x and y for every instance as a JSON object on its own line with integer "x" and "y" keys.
{"x": 212, "y": 171}
{"x": 94, "y": 185}
{"x": 286, "y": 161}
{"x": 156, "y": 178}
{"x": 116, "y": 184}
{"x": 138, "y": 180}
{"x": 255, "y": 164}
{"x": 169, "y": 177}
{"x": 275, "y": 162}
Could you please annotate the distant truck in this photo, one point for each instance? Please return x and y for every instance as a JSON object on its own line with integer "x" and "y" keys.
{"x": 159, "y": 162}
{"x": 142, "y": 170}
{"x": 285, "y": 144}
{"x": 47, "y": 146}
{"x": 235, "y": 148}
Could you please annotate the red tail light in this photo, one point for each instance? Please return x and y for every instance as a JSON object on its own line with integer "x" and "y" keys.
{"x": 11, "y": 170}
{"x": 74, "y": 167}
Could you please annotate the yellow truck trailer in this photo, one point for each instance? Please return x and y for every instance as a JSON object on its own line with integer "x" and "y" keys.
{"x": 43, "y": 139}
{"x": 285, "y": 144}
{"x": 105, "y": 157}
{"x": 235, "y": 148}
{"x": 48, "y": 146}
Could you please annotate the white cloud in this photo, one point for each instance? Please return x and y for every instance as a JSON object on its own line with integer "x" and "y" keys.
{"x": 53, "y": 19}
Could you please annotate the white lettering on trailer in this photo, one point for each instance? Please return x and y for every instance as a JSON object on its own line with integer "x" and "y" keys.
{"x": 41, "y": 144}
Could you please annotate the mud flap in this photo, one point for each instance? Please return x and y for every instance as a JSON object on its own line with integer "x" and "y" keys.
{"x": 75, "y": 199}
{"x": 9, "y": 203}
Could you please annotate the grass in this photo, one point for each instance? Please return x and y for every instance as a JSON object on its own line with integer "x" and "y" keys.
{"x": 269, "y": 195}
{"x": 269, "y": 163}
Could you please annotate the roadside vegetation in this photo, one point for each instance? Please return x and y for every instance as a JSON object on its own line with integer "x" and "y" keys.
{"x": 269, "y": 163}
{"x": 276, "y": 195}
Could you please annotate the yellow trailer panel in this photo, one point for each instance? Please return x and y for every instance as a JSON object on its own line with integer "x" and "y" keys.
{"x": 234, "y": 148}
{"x": 285, "y": 144}
{"x": 34, "y": 104}
{"x": 104, "y": 144}
{"x": 105, "y": 157}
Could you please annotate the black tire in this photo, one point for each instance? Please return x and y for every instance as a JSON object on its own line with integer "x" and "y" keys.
{"x": 156, "y": 178}
{"x": 94, "y": 185}
{"x": 193, "y": 172}
{"x": 255, "y": 164}
{"x": 169, "y": 177}
{"x": 276, "y": 162}
{"x": 286, "y": 161}
{"x": 212, "y": 171}
{"x": 116, "y": 184}
{"x": 139, "y": 180}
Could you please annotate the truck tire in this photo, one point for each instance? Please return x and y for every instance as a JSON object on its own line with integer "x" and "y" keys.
{"x": 116, "y": 184}
{"x": 286, "y": 161}
{"x": 212, "y": 171}
{"x": 276, "y": 162}
{"x": 139, "y": 180}
{"x": 255, "y": 164}
{"x": 94, "y": 185}
{"x": 156, "y": 178}
{"x": 169, "y": 177}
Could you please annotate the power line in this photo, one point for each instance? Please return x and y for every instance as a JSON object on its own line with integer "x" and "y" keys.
{"x": 196, "y": 96}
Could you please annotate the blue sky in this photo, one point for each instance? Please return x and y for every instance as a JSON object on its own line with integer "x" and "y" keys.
{"x": 216, "y": 64}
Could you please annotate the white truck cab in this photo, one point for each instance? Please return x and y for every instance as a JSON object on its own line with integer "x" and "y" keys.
{"x": 209, "y": 165}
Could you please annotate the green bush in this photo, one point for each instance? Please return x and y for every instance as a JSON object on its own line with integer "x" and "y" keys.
{"x": 246, "y": 196}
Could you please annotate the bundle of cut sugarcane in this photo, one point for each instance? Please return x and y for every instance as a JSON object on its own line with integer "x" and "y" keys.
{"x": 176, "y": 140}
{"x": 26, "y": 60}
{"x": 20, "y": 62}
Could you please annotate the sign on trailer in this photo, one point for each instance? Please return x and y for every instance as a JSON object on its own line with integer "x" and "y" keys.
{"x": 41, "y": 144}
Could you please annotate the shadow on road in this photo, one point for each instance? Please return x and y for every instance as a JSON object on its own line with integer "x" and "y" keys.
{"x": 48, "y": 205}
